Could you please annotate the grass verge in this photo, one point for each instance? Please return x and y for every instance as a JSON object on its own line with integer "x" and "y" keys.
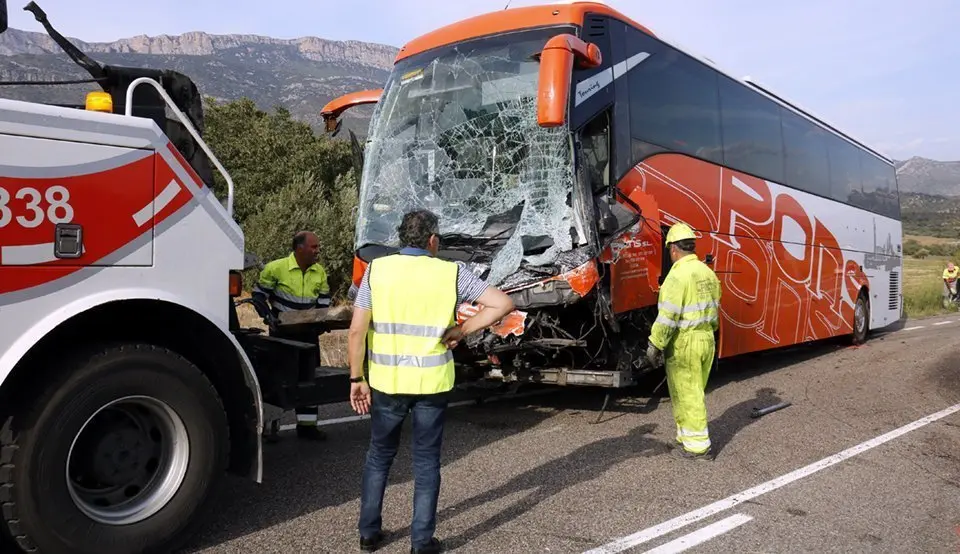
{"x": 923, "y": 286}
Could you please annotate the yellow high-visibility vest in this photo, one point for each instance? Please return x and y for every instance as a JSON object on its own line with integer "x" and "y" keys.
{"x": 689, "y": 301}
{"x": 414, "y": 300}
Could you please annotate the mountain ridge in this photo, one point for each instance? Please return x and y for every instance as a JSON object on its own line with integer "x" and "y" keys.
{"x": 931, "y": 177}
{"x": 197, "y": 43}
{"x": 302, "y": 74}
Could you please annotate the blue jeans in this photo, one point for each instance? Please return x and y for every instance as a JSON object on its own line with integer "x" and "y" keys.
{"x": 387, "y": 413}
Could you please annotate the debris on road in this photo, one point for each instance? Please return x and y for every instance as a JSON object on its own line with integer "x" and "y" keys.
{"x": 758, "y": 412}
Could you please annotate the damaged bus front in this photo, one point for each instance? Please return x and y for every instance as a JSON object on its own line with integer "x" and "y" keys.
{"x": 478, "y": 133}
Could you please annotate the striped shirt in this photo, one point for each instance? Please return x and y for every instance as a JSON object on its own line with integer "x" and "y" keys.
{"x": 469, "y": 286}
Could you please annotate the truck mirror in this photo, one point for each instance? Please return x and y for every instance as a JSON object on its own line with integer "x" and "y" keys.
{"x": 3, "y": 15}
{"x": 556, "y": 71}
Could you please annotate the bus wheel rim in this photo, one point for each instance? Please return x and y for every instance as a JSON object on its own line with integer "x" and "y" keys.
{"x": 128, "y": 460}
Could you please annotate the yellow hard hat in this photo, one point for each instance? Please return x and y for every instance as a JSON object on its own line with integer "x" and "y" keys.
{"x": 680, "y": 231}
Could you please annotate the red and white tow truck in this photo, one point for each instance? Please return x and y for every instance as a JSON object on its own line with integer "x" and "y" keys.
{"x": 127, "y": 387}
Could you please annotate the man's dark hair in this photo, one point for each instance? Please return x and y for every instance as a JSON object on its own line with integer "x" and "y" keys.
{"x": 299, "y": 239}
{"x": 687, "y": 245}
{"x": 416, "y": 228}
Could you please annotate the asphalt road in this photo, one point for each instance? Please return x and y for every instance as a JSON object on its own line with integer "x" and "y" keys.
{"x": 540, "y": 475}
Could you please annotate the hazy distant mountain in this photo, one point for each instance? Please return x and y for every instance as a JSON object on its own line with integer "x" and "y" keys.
{"x": 929, "y": 176}
{"x": 300, "y": 74}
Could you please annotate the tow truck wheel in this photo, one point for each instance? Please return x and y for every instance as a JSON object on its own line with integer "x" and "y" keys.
{"x": 121, "y": 455}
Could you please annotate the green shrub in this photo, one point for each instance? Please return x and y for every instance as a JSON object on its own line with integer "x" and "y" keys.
{"x": 287, "y": 179}
{"x": 924, "y": 299}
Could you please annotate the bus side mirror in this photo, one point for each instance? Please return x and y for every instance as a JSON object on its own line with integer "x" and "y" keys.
{"x": 556, "y": 72}
{"x": 3, "y": 15}
{"x": 332, "y": 110}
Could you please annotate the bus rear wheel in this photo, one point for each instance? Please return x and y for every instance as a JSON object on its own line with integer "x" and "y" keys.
{"x": 121, "y": 455}
{"x": 861, "y": 319}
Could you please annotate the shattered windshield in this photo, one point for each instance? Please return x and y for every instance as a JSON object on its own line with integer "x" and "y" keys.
{"x": 455, "y": 132}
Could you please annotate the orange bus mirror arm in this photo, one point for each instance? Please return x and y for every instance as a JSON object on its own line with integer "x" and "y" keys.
{"x": 556, "y": 71}
{"x": 332, "y": 110}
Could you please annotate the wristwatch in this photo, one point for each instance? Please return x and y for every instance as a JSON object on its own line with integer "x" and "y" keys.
{"x": 357, "y": 379}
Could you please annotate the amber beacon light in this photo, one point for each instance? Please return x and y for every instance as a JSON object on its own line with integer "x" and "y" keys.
{"x": 99, "y": 102}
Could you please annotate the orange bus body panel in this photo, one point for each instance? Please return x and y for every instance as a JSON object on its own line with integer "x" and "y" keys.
{"x": 771, "y": 297}
{"x": 635, "y": 259}
{"x": 510, "y": 20}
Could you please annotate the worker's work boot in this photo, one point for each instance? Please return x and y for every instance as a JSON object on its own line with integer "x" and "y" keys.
{"x": 310, "y": 433}
{"x": 433, "y": 548}
{"x": 371, "y": 544}
{"x": 687, "y": 455}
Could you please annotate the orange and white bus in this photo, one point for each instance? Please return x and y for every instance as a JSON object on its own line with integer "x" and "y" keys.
{"x": 557, "y": 144}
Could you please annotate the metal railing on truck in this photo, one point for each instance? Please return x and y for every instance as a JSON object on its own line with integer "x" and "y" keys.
{"x": 128, "y": 110}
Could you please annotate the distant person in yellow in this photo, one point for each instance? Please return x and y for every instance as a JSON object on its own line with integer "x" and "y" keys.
{"x": 683, "y": 337}
{"x": 950, "y": 279}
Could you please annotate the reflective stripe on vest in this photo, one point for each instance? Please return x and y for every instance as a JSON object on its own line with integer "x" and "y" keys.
{"x": 414, "y": 299}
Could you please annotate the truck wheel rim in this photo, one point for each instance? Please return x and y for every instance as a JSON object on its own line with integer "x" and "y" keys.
{"x": 128, "y": 460}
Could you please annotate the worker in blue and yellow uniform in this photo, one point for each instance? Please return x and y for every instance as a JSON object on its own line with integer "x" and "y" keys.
{"x": 683, "y": 337}
{"x": 404, "y": 313}
{"x": 297, "y": 282}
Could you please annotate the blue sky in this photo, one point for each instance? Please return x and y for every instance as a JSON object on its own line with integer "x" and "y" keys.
{"x": 883, "y": 70}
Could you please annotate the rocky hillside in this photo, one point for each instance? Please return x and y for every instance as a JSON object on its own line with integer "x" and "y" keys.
{"x": 299, "y": 74}
{"x": 929, "y": 176}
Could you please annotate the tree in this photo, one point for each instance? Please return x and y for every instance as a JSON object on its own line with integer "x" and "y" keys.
{"x": 910, "y": 247}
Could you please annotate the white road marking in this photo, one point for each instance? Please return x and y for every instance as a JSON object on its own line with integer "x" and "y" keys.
{"x": 701, "y": 536}
{"x": 912, "y": 328}
{"x": 348, "y": 419}
{"x": 651, "y": 533}
{"x": 943, "y": 322}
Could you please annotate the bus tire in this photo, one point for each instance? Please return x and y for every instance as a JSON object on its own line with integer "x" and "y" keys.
{"x": 145, "y": 435}
{"x": 861, "y": 319}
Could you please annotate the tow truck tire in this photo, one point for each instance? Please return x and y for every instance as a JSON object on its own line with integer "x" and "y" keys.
{"x": 145, "y": 435}
{"x": 861, "y": 320}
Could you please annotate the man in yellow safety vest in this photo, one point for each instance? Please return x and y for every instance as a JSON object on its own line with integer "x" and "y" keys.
{"x": 683, "y": 335}
{"x": 296, "y": 282}
{"x": 411, "y": 300}
{"x": 950, "y": 275}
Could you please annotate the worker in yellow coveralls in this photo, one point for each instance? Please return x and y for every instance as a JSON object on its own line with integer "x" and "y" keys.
{"x": 683, "y": 337}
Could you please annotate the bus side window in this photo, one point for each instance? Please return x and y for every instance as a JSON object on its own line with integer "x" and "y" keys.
{"x": 595, "y": 160}
{"x": 595, "y": 141}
